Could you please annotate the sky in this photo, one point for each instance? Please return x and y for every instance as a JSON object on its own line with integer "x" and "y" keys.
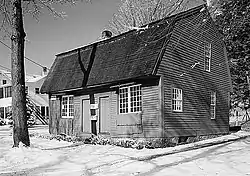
{"x": 50, "y": 36}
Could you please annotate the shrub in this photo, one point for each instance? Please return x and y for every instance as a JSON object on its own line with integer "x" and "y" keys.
{"x": 151, "y": 143}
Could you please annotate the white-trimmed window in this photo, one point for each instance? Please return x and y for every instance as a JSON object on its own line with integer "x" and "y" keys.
{"x": 67, "y": 106}
{"x": 213, "y": 105}
{"x": 177, "y": 100}
{"x": 207, "y": 56}
{"x": 130, "y": 99}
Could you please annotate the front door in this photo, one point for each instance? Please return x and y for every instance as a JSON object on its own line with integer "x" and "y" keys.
{"x": 104, "y": 116}
{"x": 86, "y": 124}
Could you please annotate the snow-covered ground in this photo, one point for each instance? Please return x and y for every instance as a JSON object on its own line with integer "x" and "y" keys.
{"x": 50, "y": 157}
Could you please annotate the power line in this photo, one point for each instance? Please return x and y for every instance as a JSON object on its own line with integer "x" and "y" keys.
{"x": 24, "y": 56}
{"x": 8, "y": 69}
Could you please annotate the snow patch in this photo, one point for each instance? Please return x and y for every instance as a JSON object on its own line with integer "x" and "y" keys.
{"x": 28, "y": 157}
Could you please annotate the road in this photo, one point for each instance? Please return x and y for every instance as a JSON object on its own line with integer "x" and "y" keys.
{"x": 228, "y": 159}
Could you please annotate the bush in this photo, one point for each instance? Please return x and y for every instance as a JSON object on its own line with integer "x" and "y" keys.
{"x": 2, "y": 122}
{"x": 127, "y": 142}
{"x": 30, "y": 121}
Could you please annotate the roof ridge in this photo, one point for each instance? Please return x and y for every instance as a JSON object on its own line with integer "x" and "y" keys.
{"x": 176, "y": 16}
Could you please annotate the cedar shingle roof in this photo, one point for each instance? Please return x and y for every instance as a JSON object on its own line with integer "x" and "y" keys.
{"x": 130, "y": 55}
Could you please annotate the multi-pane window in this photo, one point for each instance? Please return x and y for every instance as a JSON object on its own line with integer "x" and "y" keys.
{"x": 68, "y": 106}
{"x": 7, "y": 92}
{"x": 177, "y": 100}
{"x": 213, "y": 105}
{"x": 130, "y": 99}
{"x": 207, "y": 56}
{"x": 37, "y": 90}
{"x": 26, "y": 89}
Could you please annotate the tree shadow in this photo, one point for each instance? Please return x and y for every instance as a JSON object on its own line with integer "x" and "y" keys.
{"x": 86, "y": 71}
{"x": 159, "y": 168}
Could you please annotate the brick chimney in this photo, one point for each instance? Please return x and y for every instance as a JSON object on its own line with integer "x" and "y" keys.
{"x": 106, "y": 34}
{"x": 45, "y": 71}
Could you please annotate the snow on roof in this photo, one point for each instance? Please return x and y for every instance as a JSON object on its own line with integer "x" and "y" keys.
{"x": 5, "y": 102}
{"x": 28, "y": 78}
{"x": 34, "y": 78}
{"x": 38, "y": 99}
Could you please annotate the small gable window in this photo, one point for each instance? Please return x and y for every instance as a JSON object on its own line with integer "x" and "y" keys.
{"x": 67, "y": 107}
{"x": 4, "y": 81}
{"x": 213, "y": 104}
{"x": 207, "y": 56}
{"x": 177, "y": 100}
{"x": 130, "y": 99}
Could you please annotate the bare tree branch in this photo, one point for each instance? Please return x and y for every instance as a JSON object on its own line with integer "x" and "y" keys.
{"x": 135, "y": 13}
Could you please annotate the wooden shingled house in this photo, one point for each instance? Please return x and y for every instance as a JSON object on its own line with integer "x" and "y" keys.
{"x": 170, "y": 78}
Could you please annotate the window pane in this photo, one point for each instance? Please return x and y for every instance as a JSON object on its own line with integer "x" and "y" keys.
{"x": 213, "y": 105}
{"x": 177, "y": 99}
{"x": 7, "y": 92}
{"x": 135, "y": 98}
{"x": 123, "y": 96}
{"x": 64, "y": 106}
{"x": 71, "y": 106}
{"x": 26, "y": 89}
{"x": 47, "y": 111}
{"x": 1, "y": 92}
{"x": 207, "y": 56}
{"x": 43, "y": 111}
{"x": 212, "y": 111}
{"x": 37, "y": 90}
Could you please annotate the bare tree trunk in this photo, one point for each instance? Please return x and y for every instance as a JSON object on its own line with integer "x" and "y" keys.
{"x": 19, "y": 113}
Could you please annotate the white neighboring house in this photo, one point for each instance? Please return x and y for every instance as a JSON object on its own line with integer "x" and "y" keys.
{"x": 33, "y": 84}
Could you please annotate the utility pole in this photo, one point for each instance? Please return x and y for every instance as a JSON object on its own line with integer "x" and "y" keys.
{"x": 19, "y": 112}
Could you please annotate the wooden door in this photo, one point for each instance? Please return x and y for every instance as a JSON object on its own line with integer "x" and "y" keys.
{"x": 104, "y": 116}
{"x": 86, "y": 124}
{"x": 55, "y": 115}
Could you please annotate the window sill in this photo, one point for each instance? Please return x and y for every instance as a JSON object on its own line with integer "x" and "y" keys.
{"x": 176, "y": 111}
{"x": 139, "y": 112}
{"x": 67, "y": 117}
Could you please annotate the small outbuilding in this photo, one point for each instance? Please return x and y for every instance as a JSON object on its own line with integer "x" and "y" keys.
{"x": 168, "y": 78}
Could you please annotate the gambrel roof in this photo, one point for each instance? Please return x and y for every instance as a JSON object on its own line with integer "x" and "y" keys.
{"x": 133, "y": 54}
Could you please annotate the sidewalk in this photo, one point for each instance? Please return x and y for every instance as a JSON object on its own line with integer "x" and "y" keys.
{"x": 151, "y": 154}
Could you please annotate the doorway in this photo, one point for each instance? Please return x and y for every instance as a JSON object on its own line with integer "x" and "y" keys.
{"x": 86, "y": 124}
{"x": 104, "y": 115}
